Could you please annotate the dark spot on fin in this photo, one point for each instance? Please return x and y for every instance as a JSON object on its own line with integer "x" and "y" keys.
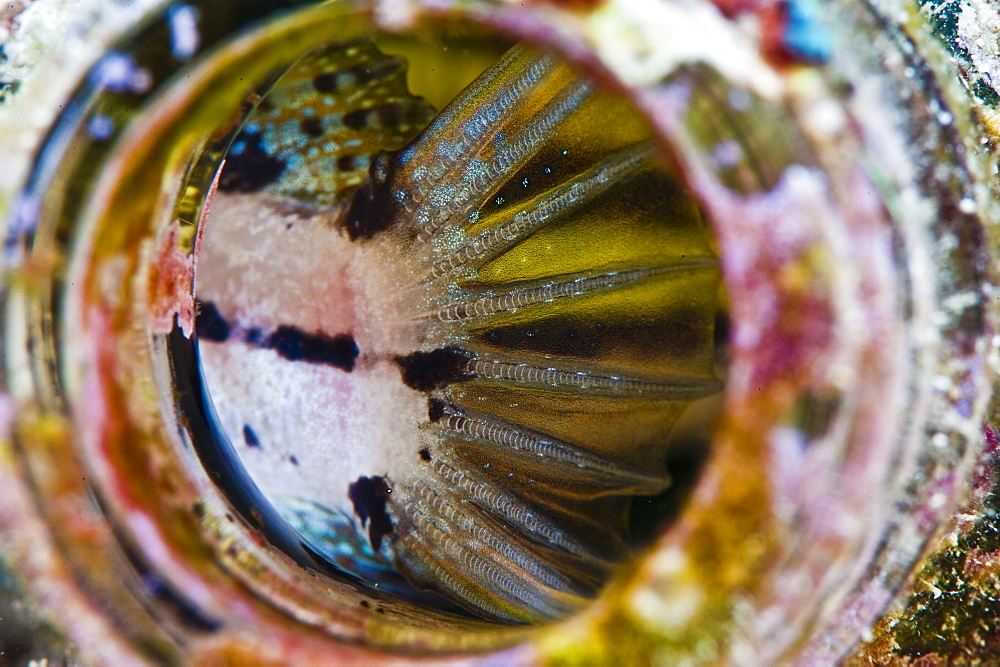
{"x": 427, "y": 371}
{"x": 326, "y": 82}
{"x": 346, "y": 162}
{"x": 210, "y": 324}
{"x": 293, "y": 459}
{"x": 296, "y": 345}
{"x": 359, "y": 75}
{"x": 356, "y": 119}
{"x": 250, "y": 437}
{"x": 249, "y": 166}
{"x": 311, "y": 127}
{"x": 376, "y": 70}
{"x": 395, "y": 113}
{"x": 425, "y": 454}
{"x": 369, "y": 495}
{"x": 265, "y": 105}
{"x": 370, "y": 210}
{"x": 435, "y": 409}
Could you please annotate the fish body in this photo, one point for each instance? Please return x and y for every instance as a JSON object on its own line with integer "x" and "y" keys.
{"x": 451, "y": 358}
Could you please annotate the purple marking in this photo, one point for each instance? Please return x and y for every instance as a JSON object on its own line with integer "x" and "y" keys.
{"x": 184, "y": 36}
{"x": 119, "y": 73}
{"x": 101, "y": 127}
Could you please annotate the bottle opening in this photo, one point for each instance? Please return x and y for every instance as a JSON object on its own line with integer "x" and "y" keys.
{"x": 458, "y": 321}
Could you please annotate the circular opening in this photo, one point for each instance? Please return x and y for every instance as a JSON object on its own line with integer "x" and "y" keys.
{"x": 482, "y": 334}
{"x": 456, "y": 322}
{"x": 415, "y": 340}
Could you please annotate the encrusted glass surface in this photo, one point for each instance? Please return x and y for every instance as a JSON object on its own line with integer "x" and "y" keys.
{"x": 433, "y": 373}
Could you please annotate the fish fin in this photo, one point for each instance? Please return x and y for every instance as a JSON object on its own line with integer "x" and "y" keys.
{"x": 316, "y": 130}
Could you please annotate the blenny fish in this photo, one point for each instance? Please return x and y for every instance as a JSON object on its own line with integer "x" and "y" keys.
{"x": 442, "y": 355}
{"x": 450, "y": 347}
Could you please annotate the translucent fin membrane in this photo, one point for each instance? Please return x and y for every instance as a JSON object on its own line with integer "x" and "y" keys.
{"x": 479, "y": 140}
{"x": 527, "y": 302}
{"x": 520, "y": 374}
{"x": 545, "y": 209}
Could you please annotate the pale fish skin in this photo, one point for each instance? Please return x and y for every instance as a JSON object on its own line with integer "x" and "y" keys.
{"x": 361, "y": 360}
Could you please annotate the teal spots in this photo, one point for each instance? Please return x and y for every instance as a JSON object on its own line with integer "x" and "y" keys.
{"x": 314, "y": 130}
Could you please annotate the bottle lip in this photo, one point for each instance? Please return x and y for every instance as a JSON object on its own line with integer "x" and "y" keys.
{"x": 857, "y": 269}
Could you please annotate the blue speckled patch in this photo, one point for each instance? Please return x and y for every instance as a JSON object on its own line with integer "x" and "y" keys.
{"x": 294, "y": 150}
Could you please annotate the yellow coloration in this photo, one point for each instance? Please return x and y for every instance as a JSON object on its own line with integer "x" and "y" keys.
{"x": 514, "y": 421}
